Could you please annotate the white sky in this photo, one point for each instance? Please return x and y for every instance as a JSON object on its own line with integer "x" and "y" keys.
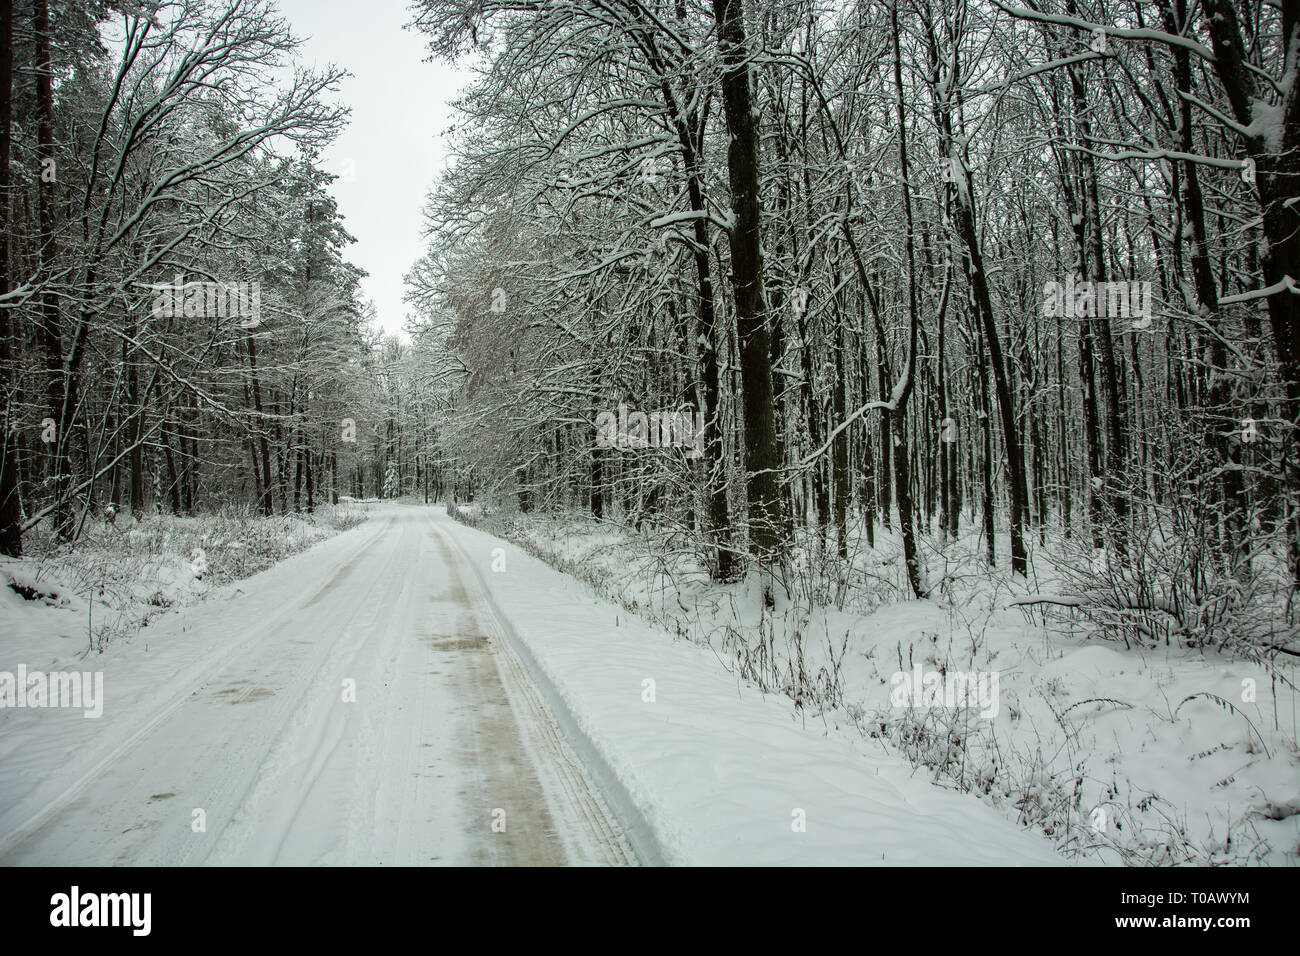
{"x": 391, "y": 152}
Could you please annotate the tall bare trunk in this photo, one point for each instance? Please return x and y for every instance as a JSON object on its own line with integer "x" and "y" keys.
{"x": 767, "y": 518}
{"x": 11, "y": 513}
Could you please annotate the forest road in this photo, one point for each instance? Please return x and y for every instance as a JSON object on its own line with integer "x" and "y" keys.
{"x": 380, "y": 719}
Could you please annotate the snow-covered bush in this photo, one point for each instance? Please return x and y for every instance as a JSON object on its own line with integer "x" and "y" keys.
{"x": 131, "y": 574}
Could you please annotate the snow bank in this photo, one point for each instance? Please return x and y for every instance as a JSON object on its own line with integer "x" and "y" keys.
{"x": 1117, "y": 755}
{"x": 722, "y": 773}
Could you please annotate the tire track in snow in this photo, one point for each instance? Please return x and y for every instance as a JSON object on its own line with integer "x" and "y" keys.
{"x": 201, "y": 750}
{"x": 447, "y": 728}
{"x": 201, "y": 674}
{"x": 589, "y": 828}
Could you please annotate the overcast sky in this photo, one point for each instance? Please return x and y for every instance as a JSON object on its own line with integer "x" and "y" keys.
{"x": 391, "y": 152}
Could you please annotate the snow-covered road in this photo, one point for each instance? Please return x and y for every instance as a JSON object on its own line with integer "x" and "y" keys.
{"x": 414, "y": 691}
{"x": 352, "y": 706}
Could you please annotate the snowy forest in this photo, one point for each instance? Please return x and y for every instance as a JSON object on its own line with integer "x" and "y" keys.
{"x": 834, "y": 336}
{"x": 1020, "y": 273}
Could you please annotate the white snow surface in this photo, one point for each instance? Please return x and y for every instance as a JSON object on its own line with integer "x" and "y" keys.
{"x": 1184, "y": 765}
{"x": 717, "y": 768}
{"x": 234, "y": 707}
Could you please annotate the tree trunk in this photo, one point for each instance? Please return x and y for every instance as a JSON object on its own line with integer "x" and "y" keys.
{"x": 767, "y": 520}
{"x": 56, "y": 385}
{"x": 11, "y": 512}
{"x": 898, "y": 418}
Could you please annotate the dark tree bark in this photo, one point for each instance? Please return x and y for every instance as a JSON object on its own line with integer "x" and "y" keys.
{"x": 1099, "y": 327}
{"x": 688, "y": 129}
{"x": 1277, "y": 172}
{"x": 898, "y": 418}
{"x": 840, "y": 446}
{"x": 263, "y": 449}
{"x": 767, "y": 519}
{"x": 1002, "y": 386}
{"x": 133, "y": 418}
{"x": 1220, "y": 421}
{"x": 57, "y": 384}
{"x": 11, "y": 512}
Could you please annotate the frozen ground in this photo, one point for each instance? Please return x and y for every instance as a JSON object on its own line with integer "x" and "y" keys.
{"x": 1118, "y": 755}
{"x": 415, "y": 691}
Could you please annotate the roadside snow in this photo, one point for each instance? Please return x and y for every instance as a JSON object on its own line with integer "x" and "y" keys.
{"x": 722, "y": 773}
{"x": 1119, "y": 756}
